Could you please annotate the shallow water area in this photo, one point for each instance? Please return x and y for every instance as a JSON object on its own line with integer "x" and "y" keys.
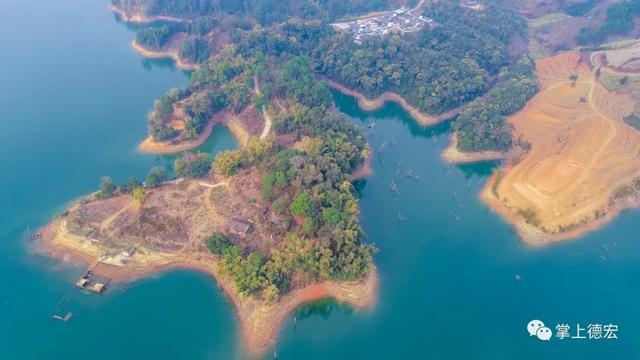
{"x": 455, "y": 281}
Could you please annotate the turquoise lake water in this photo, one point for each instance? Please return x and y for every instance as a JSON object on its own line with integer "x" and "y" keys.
{"x": 73, "y": 103}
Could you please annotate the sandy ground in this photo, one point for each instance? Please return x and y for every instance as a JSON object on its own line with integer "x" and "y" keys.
{"x": 363, "y": 171}
{"x": 623, "y": 58}
{"x": 139, "y": 18}
{"x": 248, "y": 123}
{"x": 170, "y": 52}
{"x": 260, "y": 321}
{"x": 239, "y": 130}
{"x": 366, "y": 104}
{"x": 166, "y": 147}
{"x": 581, "y": 153}
{"x": 453, "y": 155}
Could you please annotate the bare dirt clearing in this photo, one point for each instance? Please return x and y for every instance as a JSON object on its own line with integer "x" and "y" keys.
{"x": 622, "y": 57}
{"x": 167, "y": 230}
{"x": 176, "y": 217}
{"x": 582, "y": 154}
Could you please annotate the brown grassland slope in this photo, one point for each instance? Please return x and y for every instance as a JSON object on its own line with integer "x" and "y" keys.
{"x": 584, "y": 160}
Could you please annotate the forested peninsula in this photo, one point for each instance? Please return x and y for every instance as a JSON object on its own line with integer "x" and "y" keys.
{"x": 276, "y": 222}
{"x": 463, "y": 68}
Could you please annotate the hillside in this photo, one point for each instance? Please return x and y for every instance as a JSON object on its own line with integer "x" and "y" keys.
{"x": 583, "y": 163}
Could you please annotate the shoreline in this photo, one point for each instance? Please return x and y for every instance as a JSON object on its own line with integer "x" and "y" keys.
{"x": 536, "y": 237}
{"x": 259, "y": 321}
{"x": 238, "y": 130}
{"x": 172, "y": 54}
{"x": 363, "y": 171}
{"x": 367, "y": 104}
{"x": 453, "y": 155}
{"x": 544, "y": 212}
{"x": 163, "y": 147}
{"x": 140, "y": 18}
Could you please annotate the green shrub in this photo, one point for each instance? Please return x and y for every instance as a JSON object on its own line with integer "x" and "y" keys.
{"x": 193, "y": 165}
{"x": 530, "y": 216}
{"x": 217, "y": 243}
{"x": 156, "y": 176}
{"x": 107, "y": 187}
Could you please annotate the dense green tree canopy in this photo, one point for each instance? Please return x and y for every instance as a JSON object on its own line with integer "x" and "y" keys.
{"x": 619, "y": 21}
{"x": 264, "y": 11}
{"x": 193, "y": 165}
{"x": 463, "y": 60}
{"x": 107, "y": 187}
{"x": 156, "y": 176}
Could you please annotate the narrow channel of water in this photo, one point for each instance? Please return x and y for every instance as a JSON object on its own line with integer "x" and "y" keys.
{"x": 73, "y": 102}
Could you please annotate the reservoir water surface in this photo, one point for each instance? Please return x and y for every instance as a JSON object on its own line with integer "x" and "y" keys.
{"x": 456, "y": 283}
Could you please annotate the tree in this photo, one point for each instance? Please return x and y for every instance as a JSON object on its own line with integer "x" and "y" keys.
{"x": 107, "y": 187}
{"x": 194, "y": 49}
{"x": 130, "y": 185}
{"x": 245, "y": 12}
{"x": 325, "y": 240}
{"x": 155, "y": 37}
{"x": 619, "y": 21}
{"x": 267, "y": 185}
{"x": 156, "y": 176}
{"x": 162, "y": 112}
{"x": 482, "y": 125}
{"x": 193, "y": 165}
{"x": 301, "y": 205}
{"x": 250, "y": 276}
{"x": 259, "y": 100}
{"x": 227, "y": 162}
{"x": 309, "y": 227}
{"x": 199, "y": 107}
{"x": 139, "y": 194}
{"x": 271, "y": 293}
{"x": 281, "y": 179}
{"x": 256, "y": 150}
{"x": 164, "y": 108}
{"x": 281, "y": 204}
{"x": 217, "y": 243}
{"x": 231, "y": 259}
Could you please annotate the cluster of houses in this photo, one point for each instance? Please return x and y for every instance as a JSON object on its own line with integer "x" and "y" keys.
{"x": 402, "y": 20}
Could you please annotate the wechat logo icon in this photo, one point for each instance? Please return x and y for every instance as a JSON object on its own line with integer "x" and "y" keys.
{"x": 536, "y": 328}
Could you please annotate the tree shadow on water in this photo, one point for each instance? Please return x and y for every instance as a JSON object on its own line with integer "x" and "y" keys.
{"x": 323, "y": 308}
{"x": 484, "y": 168}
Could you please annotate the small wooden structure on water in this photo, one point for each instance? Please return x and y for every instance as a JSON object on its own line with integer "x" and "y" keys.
{"x": 31, "y": 236}
{"x": 58, "y": 312}
{"x": 90, "y": 281}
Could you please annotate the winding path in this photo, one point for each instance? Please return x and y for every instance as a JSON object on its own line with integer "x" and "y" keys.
{"x": 581, "y": 153}
{"x": 212, "y": 186}
{"x": 267, "y": 118}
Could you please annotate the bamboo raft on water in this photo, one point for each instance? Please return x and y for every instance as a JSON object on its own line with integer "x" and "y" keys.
{"x": 58, "y": 311}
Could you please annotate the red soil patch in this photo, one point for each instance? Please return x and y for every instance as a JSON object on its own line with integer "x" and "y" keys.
{"x": 581, "y": 153}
